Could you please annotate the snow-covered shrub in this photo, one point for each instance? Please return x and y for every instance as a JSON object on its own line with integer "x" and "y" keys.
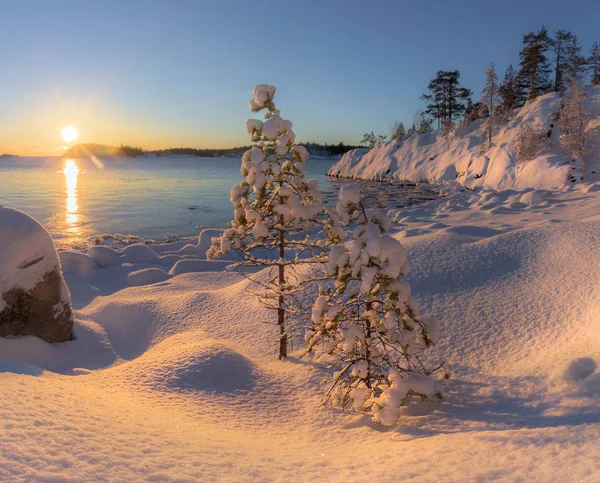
{"x": 274, "y": 205}
{"x": 574, "y": 118}
{"x": 448, "y": 128}
{"x": 529, "y": 142}
{"x": 367, "y": 323}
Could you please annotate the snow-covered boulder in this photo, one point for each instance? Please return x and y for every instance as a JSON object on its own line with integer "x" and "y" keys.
{"x": 34, "y": 299}
{"x": 77, "y": 262}
{"x": 139, "y": 254}
{"x": 533, "y": 197}
{"x": 104, "y": 256}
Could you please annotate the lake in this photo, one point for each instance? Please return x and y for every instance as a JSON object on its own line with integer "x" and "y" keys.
{"x": 78, "y": 200}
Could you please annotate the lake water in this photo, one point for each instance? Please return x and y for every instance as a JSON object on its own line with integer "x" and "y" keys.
{"x": 77, "y": 200}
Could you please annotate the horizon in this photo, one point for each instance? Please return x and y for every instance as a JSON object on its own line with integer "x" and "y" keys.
{"x": 160, "y": 76}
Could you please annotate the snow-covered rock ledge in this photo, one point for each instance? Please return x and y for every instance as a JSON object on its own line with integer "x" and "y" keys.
{"x": 431, "y": 158}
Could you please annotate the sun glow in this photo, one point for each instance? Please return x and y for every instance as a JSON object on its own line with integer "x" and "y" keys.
{"x": 70, "y": 133}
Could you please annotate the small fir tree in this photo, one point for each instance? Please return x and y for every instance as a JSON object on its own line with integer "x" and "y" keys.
{"x": 594, "y": 64}
{"x": 490, "y": 100}
{"x": 368, "y": 325}
{"x": 528, "y": 143}
{"x": 508, "y": 90}
{"x": 448, "y": 128}
{"x": 574, "y": 118}
{"x": 274, "y": 205}
{"x": 398, "y": 131}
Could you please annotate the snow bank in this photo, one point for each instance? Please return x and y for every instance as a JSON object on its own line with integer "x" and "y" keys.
{"x": 427, "y": 157}
{"x": 146, "y": 276}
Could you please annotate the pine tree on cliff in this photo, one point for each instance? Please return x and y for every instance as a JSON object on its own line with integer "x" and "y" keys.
{"x": 562, "y": 38}
{"x": 446, "y": 99}
{"x": 508, "y": 90}
{"x": 533, "y": 79}
{"x": 490, "y": 99}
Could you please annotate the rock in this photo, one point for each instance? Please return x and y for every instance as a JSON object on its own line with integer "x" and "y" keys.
{"x": 34, "y": 299}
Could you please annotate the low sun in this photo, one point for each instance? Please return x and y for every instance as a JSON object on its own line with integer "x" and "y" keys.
{"x": 70, "y": 133}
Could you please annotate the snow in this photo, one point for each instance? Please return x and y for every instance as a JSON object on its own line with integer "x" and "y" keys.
{"x": 27, "y": 253}
{"x": 146, "y": 276}
{"x": 178, "y": 380}
{"x": 426, "y": 157}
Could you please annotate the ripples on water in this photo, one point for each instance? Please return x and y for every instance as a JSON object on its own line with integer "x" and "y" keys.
{"x": 78, "y": 199}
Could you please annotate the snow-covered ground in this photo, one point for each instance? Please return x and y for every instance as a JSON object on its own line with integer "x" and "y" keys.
{"x": 469, "y": 161}
{"x": 174, "y": 377}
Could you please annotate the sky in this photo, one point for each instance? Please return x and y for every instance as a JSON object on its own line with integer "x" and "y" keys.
{"x": 179, "y": 73}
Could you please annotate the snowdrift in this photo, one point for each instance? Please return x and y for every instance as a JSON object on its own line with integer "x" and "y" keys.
{"x": 466, "y": 160}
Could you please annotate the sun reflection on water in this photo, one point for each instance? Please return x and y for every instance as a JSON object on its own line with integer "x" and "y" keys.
{"x": 71, "y": 171}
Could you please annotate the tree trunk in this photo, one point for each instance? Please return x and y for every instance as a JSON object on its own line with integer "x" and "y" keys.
{"x": 280, "y": 310}
{"x": 557, "y": 74}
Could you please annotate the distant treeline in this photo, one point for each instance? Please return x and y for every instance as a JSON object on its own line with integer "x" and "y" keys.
{"x": 100, "y": 150}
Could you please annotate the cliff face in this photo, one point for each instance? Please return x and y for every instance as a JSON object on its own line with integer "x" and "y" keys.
{"x": 466, "y": 158}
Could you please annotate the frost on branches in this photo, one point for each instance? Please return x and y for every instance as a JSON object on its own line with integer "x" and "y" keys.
{"x": 368, "y": 324}
{"x": 574, "y": 119}
{"x": 274, "y": 206}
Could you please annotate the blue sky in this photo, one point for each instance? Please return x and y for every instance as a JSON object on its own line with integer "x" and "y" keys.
{"x": 179, "y": 73}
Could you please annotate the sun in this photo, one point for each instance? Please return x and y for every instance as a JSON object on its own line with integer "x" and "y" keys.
{"x": 70, "y": 133}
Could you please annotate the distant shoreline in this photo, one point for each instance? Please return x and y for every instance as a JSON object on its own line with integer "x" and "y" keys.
{"x": 88, "y": 150}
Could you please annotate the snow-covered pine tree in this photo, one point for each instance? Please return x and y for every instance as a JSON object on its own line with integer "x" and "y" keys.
{"x": 398, "y": 131}
{"x": 529, "y": 142}
{"x": 508, "y": 90}
{"x": 533, "y": 77}
{"x": 273, "y": 205}
{"x": 594, "y": 64}
{"x": 448, "y": 128}
{"x": 491, "y": 100}
{"x": 425, "y": 124}
{"x": 574, "y": 118}
{"x": 368, "y": 325}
